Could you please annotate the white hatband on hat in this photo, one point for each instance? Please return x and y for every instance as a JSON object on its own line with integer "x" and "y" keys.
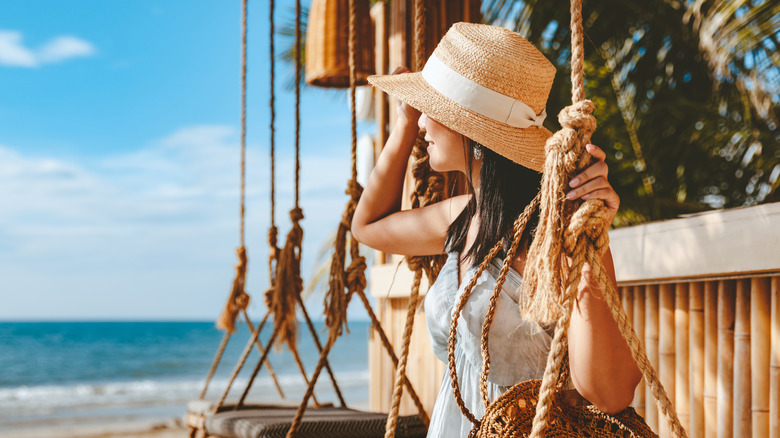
{"x": 477, "y": 98}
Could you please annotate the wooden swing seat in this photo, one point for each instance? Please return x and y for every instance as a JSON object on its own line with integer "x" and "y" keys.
{"x": 272, "y": 421}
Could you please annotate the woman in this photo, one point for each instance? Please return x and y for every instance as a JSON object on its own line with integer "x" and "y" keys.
{"x": 481, "y": 101}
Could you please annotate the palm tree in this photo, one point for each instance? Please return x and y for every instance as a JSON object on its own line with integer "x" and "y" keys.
{"x": 686, "y": 93}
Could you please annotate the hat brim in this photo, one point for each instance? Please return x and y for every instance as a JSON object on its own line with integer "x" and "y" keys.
{"x": 523, "y": 146}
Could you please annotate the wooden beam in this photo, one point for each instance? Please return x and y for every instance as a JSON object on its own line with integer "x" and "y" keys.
{"x": 698, "y": 246}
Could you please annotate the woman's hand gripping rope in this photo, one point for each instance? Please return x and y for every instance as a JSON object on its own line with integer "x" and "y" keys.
{"x": 592, "y": 183}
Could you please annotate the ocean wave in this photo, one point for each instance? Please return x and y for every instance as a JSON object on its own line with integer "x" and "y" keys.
{"x": 48, "y": 400}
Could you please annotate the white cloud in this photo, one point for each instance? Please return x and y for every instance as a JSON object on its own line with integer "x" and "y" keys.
{"x": 65, "y": 47}
{"x": 152, "y": 232}
{"x": 14, "y": 53}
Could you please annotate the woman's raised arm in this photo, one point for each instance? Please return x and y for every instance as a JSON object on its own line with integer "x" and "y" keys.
{"x": 379, "y": 222}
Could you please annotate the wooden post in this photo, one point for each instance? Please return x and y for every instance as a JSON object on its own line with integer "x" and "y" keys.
{"x": 711, "y": 359}
{"x": 774, "y": 361}
{"x": 696, "y": 359}
{"x": 639, "y": 328}
{"x": 380, "y": 19}
{"x": 760, "y": 344}
{"x": 726, "y": 296}
{"x": 651, "y": 347}
{"x": 666, "y": 350}
{"x": 742, "y": 360}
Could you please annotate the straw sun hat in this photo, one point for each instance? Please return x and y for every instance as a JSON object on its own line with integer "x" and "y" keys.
{"x": 487, "y": 83}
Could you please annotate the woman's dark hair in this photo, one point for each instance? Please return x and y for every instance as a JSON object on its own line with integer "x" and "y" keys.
{"x": 506, "y": 188}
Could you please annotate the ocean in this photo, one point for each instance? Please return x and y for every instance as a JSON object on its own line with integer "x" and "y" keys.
{"x": 59, "y": 373}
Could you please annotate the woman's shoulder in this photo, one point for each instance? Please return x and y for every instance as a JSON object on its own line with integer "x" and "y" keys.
{"x": 455, "y": 205}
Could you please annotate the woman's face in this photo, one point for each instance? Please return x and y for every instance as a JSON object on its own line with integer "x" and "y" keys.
{"x": 445, "y": 146}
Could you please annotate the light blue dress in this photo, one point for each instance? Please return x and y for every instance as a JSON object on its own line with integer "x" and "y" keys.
{"x": 518, "y": 348}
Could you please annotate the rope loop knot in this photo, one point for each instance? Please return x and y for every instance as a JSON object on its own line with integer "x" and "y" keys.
{"x": 566, "y": 156}
{"x": 283, "y": 296}
{"x": 354, "y": 190}
{"x": 591, "y": 221}
{"x": 356, "y": 274}
{"x": 238, "y": 299}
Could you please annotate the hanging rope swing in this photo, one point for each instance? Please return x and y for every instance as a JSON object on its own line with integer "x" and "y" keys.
{"x": 566, "y": 231}
{"x": 283, "y": 298}
{"x": 428, "y": 189}
{"x": 580, "y": 235}
{"x": 238, "y": 299}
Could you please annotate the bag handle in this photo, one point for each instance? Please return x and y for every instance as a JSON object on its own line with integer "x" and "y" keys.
{"x": 519, "y": 226}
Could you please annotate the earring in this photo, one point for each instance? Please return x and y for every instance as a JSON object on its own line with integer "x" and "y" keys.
{"x": 477, "y": 151}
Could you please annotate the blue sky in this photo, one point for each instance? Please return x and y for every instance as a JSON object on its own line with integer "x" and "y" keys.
{"x": 119, "y": 157}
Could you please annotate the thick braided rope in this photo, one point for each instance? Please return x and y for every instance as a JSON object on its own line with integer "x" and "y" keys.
{"x": 565, "y": 157}
{"x": 273, "y": 253}
{"x": 215, "y": 364}
{"x": 315, "y": 337}
{"x": 558, "y": 350}
{"x": 282, "y": 301}
{"x": 353, "y": 278}
{"x": 637, "y": 351}
{"x": 517, "y": 235}
{"x": 400, "y": 371}
{"x": 332, "y": 336}
{"x": 238, "y": 298}
{"x": 288, "y": 269}
{"x": 391, "y": 352}
{"x": 577, "y": 52}
{"x": 243, "y": 118}
{"x": 298, "y": 63}
{"x": 258, "y": 366}
{"x": 454, "y": 331}
{"x": 299, "y": 363}
{"x": 356, "y": 284}
{"x": 335, "y": 302}
{"x": 428, "y": 189}
{"x": 241, "y": 362}
{"x": 260, "y": 349}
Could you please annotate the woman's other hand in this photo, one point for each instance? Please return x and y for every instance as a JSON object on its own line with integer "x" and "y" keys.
{"x": 406, "y": 114}
{"x": 592, "y": 183}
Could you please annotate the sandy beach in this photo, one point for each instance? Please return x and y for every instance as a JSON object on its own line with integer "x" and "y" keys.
{"x": 173, "y": 428}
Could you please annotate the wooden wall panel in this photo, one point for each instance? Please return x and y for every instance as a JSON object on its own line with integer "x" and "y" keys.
{"x": 666, "y": 348}
{"x": 774, "y": 361}
{"x": 651, "y": 346}
{"x": 742, "y": 360}
{"x": 760, "y": 344}
{"x": 639, "y": 328}
{"x": 696, "y": 359}
{"x": 726, "y": 297}
{"x": 711, "y": 359}
{"x": 681, "y": 354}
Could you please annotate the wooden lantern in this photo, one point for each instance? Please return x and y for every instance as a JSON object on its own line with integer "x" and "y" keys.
{"x": 327, "y": 43}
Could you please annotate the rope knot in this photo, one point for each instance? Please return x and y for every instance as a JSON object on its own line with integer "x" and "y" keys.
{"x": 238, "y": 299}
{"x": 590, "y": 221}
{"x": 578, "y": 116}
{"x": 242, "y": 300}
{"x": 273, "y": 234}
{"x": 354, "y": 190}
{"x": 356, "y": 274}
{"x": 296, "y": 214}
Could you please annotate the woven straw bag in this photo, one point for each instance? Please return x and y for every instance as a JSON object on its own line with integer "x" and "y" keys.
{"x": 566, "y": 413}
